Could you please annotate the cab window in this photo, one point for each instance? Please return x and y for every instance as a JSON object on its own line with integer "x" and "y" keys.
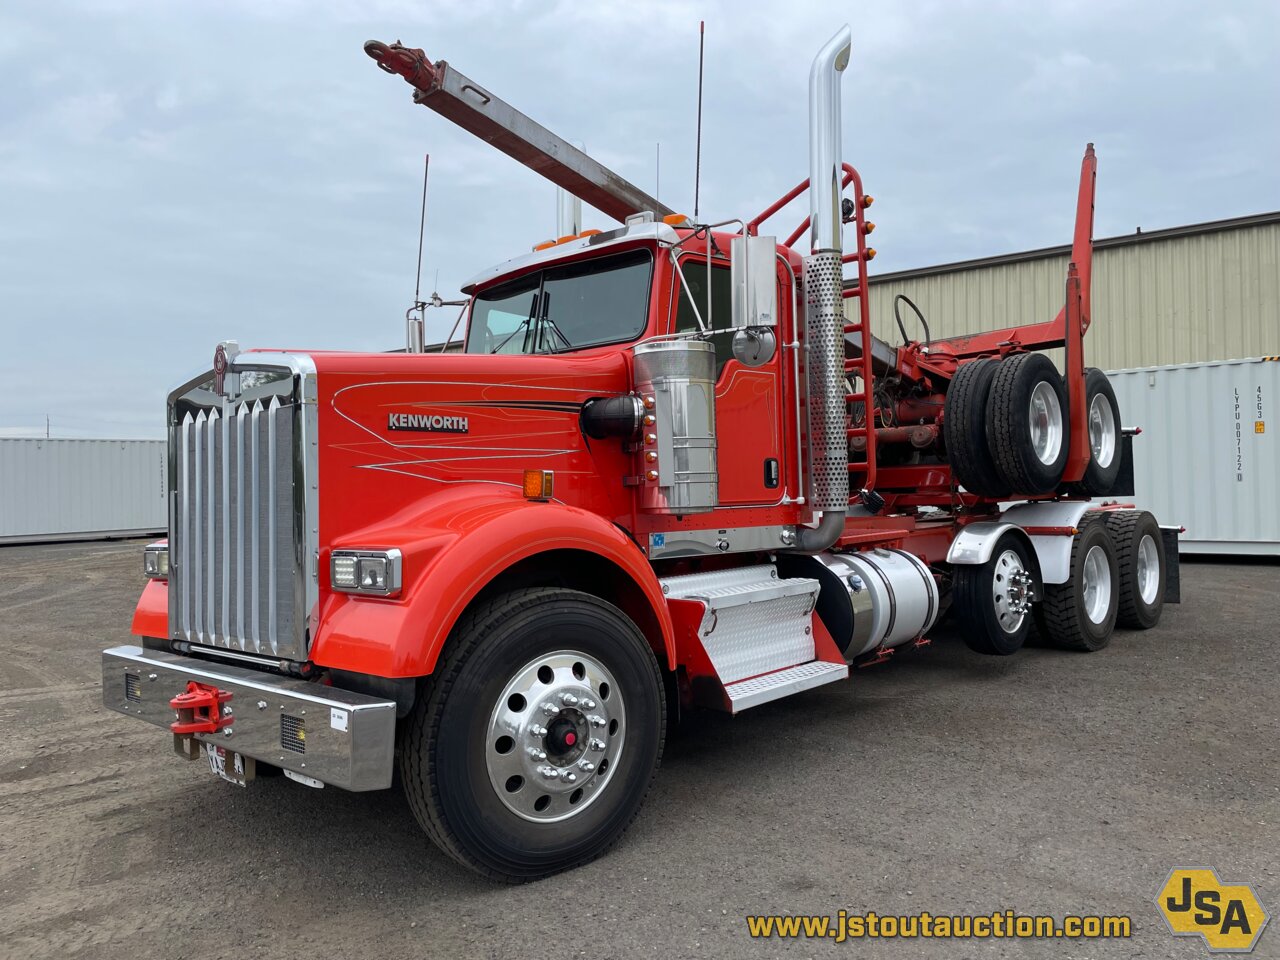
{"x": 695, "y": 275}
{"x": 585, "y": 304}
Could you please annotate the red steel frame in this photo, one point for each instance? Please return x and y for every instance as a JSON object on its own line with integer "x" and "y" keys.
{"x": 932, "y": 484}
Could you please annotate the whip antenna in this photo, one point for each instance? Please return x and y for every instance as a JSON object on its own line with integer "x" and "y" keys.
{"x": 422, "y": 229}
{"x": 697, "y": 162}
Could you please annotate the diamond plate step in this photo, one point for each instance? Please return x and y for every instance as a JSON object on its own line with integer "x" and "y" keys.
{"x": 782, "y": 683}
{"x": 755, "y": 622}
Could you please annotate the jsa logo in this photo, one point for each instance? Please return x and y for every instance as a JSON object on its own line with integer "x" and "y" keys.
{"x": 1229, "y": 917}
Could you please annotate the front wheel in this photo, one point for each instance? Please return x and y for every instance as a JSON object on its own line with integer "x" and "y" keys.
{"x": 538, "y": 735}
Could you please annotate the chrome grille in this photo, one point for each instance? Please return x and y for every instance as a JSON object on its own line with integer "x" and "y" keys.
{"x": 234, "y": 581}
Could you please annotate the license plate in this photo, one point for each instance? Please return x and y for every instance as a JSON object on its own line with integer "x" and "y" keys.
{"x": 227, "y": 764}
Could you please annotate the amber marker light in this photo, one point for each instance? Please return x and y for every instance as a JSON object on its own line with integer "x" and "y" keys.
{"x": 539, "y": 484}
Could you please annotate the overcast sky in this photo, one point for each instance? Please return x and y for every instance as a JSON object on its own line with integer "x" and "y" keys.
{"x": 175, "y": 173}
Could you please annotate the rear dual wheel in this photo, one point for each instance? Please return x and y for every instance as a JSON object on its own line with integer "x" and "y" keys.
{"x": 993, "y": 600}
{"x": 1140, "y": 561}
{"x": 1081, "y": 613}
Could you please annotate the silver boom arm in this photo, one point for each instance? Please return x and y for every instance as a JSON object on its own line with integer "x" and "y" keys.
{"x": 457, "y": 98}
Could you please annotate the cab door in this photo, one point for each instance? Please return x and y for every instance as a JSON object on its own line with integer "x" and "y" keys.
{"x": 750, "y": 430}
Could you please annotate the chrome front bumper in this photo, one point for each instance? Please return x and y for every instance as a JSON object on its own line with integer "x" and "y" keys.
{"x": 334, "y": 736}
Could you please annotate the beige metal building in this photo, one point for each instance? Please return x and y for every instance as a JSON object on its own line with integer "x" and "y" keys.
{"x": 1209, "y": 291}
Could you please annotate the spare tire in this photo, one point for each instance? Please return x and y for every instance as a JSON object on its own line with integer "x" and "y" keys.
{"x": 1027, "y": 423}
{"x": 1103, "y": 414}
{"x": 964, "y": 430}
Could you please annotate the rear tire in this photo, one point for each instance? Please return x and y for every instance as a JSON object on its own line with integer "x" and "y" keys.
{"x": 1140, "y": 558}
{"x": 1103, "y": 414}
{"x": 992, "y": 600}
{"x": 1081, "y": 613}
{"x": 524, "y": 690}
{"x": 1026, "y": 419}
{"x": 964, "y": 430}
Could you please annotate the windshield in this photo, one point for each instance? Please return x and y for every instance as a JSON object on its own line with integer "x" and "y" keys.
{"x": 605, "y": 300}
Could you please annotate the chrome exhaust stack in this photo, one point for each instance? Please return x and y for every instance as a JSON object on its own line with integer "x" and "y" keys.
{"x": 824, "y": 302}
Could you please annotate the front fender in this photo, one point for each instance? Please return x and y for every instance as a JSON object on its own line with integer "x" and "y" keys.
{"x": 454, "y": 543}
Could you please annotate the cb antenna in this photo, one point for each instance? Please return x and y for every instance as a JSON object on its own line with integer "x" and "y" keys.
{"x": 422, "y": 230}
{"x": 697, "y": 161}
{"x": 415, "y": 318}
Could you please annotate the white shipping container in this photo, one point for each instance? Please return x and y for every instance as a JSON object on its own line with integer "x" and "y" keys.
{"x": 81, "y": 489}
{"x": 1208, "y": 456}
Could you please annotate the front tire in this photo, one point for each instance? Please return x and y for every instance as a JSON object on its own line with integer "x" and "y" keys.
{"x": 538, "y": 735}
{"x": 1081, "y": 613}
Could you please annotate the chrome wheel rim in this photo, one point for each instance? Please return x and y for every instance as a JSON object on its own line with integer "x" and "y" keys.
{"x": 554, "y": 736}
{"x": 1097, "y": 585}
{"x": 1011, "y": 591}
{"x": 1148, "y": 569}
{"x": 1102, "y": 431}
{"x": 1046, "y": 423}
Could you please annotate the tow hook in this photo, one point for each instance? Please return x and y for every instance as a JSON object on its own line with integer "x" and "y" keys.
{"x": 201, "y": 709}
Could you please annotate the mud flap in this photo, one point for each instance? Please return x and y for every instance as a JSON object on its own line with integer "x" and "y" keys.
{"x": 1172, "y": 569}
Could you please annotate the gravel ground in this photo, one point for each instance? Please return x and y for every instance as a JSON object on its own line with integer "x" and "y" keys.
{"x": 1045, "y": 783}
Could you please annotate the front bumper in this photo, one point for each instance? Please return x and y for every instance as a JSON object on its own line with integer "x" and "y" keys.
{"x": 334, "y": 736}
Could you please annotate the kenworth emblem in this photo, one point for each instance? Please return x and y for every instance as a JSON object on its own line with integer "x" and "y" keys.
{"x": 219, "y": 370}
{"x": 426, "y": 423}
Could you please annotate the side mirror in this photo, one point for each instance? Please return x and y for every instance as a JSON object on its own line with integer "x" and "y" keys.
{"x": 754, "y": 279}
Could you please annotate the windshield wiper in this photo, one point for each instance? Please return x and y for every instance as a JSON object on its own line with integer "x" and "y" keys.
{"x": 533, "y": 309}
{"x": 547, "y": 323}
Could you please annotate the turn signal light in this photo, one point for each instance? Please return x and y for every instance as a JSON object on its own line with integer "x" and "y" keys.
{"x": 675, "y": 219}
{"x": 155, "y": 560}
{"x": 871, "y": 253}
{"x": 869, "y": 227}
{"x": 539, "y": 484}
{"x": 868, "y": 201}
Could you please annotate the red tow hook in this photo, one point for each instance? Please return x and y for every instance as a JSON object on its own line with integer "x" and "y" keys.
{"x": 200, "y": 709}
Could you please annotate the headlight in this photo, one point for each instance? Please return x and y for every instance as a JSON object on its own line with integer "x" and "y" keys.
{"x": 374, "y": 572}
{"x": 155, "y": 561}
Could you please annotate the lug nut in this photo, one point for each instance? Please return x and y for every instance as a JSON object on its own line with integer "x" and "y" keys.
{"x": 549, "y": 773}
{"x": 537, "y": 731}
{"x": 586, "y": 766}
{"x": 537, "y": 754}
{"x": 550, "y": 709}
{"x": 596, "y": 720}
{"x": 588, "y": 704}
{"x": 568, "y": 699}
{"x": 596, "y": 745}
{"x": 570, "y": 778}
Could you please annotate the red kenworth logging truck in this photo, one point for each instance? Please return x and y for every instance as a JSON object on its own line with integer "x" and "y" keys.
{"x": 668, "y": 469}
